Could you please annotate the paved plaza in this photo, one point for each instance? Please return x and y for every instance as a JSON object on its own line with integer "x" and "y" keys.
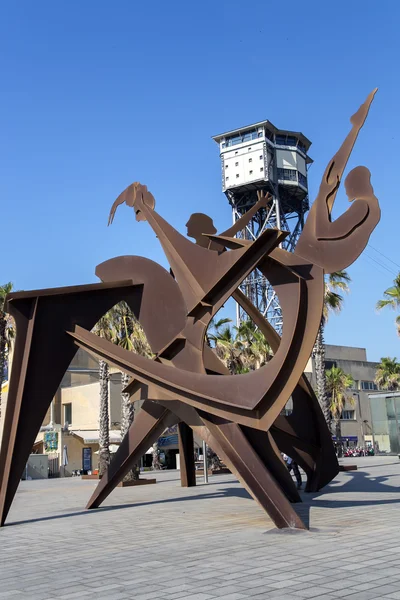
{"x": 204, "y": 543}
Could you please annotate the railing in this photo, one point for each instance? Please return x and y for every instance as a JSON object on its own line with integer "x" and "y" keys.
{"x": 292, "y": 175}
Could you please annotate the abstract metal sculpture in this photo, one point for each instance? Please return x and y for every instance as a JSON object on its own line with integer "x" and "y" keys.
{"x": 239, "y": 416}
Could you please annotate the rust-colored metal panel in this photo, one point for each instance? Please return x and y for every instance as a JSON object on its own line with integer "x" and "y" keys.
{"x": 150, "y": 422}
{"x": 186, "y": 455}
{"x": 43, "y": 346}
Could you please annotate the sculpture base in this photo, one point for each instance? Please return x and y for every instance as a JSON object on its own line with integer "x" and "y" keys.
{"x": 137, "y": 482}
{"x": 90, "y": 477}
{"x": 348, "y": 468}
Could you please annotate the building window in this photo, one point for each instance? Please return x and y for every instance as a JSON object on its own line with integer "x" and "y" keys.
{"x": 348, "y": 415}
{"x": 261, "y": 156}
{"x": 237, "y": 175}
{"x": 250, "y": 160}
{"x": 249, "y": 148}
{"x": 236, "y": 152}
{"x": 226, "y": 178}
{"x": 287, "y": 174}
{"x": 286, "y": 140}
{"x": 68, "y": 414}
{"x": 240, "y": 138}
{"x": 260, "y": 134}
{"x": 226, "y": 166}
{"x": 236, "y": 164}
{"x": 262, "y": 169}
{"x": 223, "y": 145}
{"x": 302, "y": 179}
{"x": 329, "y": 364}
{"x": 250, "y": 172}
{"x": 368, "y": 385}
{"x": 301, "y": 147}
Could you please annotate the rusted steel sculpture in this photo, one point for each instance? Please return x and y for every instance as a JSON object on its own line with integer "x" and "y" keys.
{"x": 239, "y": 416}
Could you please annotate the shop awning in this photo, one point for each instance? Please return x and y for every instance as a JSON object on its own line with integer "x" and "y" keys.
{"x": 92, "y": 436}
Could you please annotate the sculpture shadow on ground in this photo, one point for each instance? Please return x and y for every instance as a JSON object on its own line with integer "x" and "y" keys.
{"x": 356, "y": 482}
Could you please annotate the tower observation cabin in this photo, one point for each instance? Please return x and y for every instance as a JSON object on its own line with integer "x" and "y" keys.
{"x": 263, "y": 157}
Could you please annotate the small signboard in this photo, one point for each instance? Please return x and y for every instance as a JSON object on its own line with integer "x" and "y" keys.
{"x": 87, "y": 459}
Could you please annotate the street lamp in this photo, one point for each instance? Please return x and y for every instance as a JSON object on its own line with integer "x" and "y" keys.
{"x": 361, "y": 419}
{"x": 205, "y": 467}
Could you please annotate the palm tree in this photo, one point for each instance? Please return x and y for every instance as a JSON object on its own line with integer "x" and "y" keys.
{"x": 156, "y": 464}
{"x": 392, "y": 299}
{"x": 333, "y": 302}
{"x": 214, "y": 329}
{"x": 256, "y": 351}
{"x": 130, "y": 336}
{"x": 338, "y": 382}
{"x": 260, "y": 350}
{"x": 229, "y": 350}
{"x": 387, "y": 375}
{"x": 104, "y": 328}
{"x": 6, "y": 333}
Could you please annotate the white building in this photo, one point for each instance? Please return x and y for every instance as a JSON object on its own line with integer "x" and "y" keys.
{"x": 261, "y": 153}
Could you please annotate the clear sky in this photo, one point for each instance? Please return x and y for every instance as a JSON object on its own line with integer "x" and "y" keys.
{"x": 98, "y": 94}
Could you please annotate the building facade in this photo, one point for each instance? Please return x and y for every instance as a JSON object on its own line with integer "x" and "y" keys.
{"x": 356, "y": 421}
{"x": 385, "y": 415}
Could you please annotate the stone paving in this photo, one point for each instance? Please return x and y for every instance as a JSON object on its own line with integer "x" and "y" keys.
{"x": 210, "y": 542}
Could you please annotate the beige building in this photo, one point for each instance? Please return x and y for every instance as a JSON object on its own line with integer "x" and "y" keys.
{"x": 70, "y": 431}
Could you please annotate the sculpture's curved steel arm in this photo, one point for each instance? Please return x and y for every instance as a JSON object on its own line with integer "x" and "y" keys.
{"x": 336, "y": 245}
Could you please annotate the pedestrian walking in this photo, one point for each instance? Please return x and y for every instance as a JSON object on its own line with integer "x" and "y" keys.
{"x": 292, "y": 466}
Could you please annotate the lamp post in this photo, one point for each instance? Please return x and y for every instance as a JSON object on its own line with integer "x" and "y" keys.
{"x": 205, "y": 462}
{"x": 361, "y": 419}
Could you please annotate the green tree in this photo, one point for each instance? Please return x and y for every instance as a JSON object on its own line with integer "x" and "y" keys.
{"x": 243, "y": 348}
{"x": 260, "y": 350}
{"x": 130, "y": 335}
{"x": 333, "y": 302}
{"x": 214, "y": 329}
{"x": 6, "y": 333}
{"x": 338, "y": 382}
{"x": 105, "y": 328}
{"x": 387, "y": 375}
{"x": 229, "y": 349}
{"x": 392, "y": 299}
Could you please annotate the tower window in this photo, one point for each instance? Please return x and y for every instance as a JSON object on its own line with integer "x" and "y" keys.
{"x": 236, "y": 152}
{"x": 250, "y": 160}
{"x": 226, "y": 166}
{"x": 236, "y": 164}
{"x": 237, "y": 175}
{"x": 226, "y": 178}
{"x": 249, "y": 148}
{"x": 261, "y": 156}
{"x": 262, "y": 169}
{"x": 251, "y": 172}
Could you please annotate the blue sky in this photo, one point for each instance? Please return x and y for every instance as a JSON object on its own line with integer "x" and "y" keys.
{"x": 96, "y": 95}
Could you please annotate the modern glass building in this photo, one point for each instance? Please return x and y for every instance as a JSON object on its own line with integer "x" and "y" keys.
{"x": 385, "y": 416}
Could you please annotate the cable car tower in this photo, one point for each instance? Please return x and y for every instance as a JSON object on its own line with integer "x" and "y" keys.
{"x": 262, "y": 157}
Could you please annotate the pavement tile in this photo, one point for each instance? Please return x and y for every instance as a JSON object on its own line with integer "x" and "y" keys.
{"x": 217, "y": 545}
